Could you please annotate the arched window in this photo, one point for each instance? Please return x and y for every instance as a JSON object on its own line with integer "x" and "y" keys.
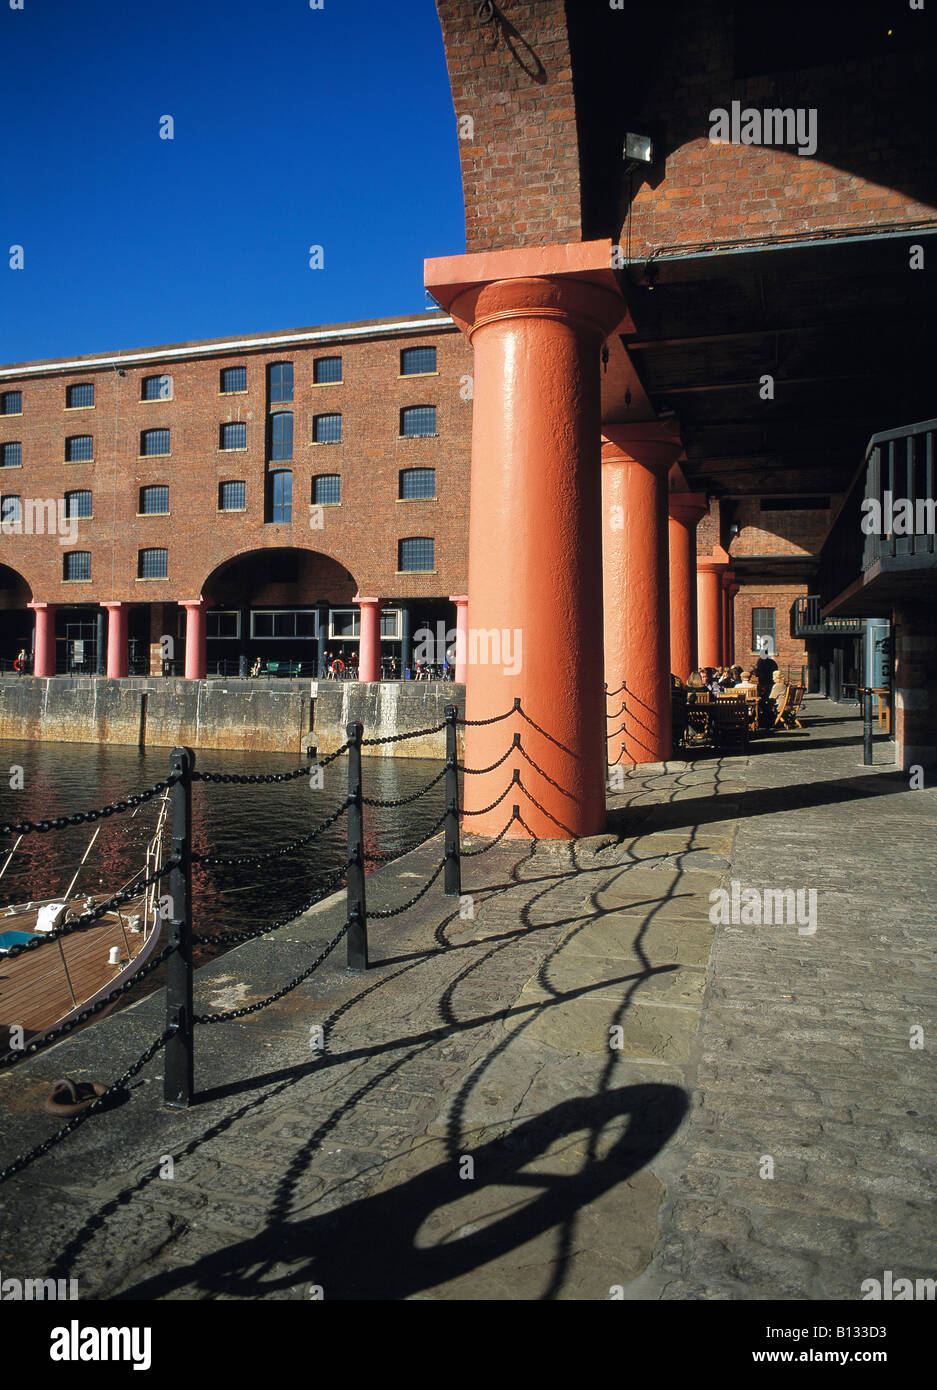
{"x": 280, "y": 496}
{"x": 280, "y": 382}
{"x": 417, "y": 482}
{"x": 281, "y": 435}
{"x": 417, "y": 421}
{"x": 327, "y": 490}
{"x": 154, "y": 500}
{"x": 152, "y": 564}
{"x": 78, "y": 503}
{"x": 327, "y": 429}
{"x": 416, "y": 553}
{"x": 76, "y": 564}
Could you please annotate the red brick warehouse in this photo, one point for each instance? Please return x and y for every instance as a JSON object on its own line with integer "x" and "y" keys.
{"x": 260, "y": 496}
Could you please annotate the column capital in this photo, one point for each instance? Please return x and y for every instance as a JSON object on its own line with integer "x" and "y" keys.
{"x": 114, "y": 604}
{"x": 715, "y": 563}
{"x": 359, "y": 598}
{"x": 200, "y": 604}
{"x": 572, "y": 283}
{"x": 688, "y": 508}
{"x": 458, "y": 598}
{"x": 39, "y": 605}
{"x": 652, "y": 444}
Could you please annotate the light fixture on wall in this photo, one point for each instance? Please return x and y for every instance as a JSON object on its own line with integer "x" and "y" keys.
{"x": 734, "y": 529}
{"x": 638, "y": 149}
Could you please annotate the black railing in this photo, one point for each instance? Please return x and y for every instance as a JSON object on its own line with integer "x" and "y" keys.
{"x": 886, "y": 521}
{"x": 807, "y": 620}
{"x": 178, "y": 1035}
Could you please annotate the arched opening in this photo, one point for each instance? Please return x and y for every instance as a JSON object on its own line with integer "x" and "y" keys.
{"x": 16, "y": 620}
{"x": 284, "y": 607}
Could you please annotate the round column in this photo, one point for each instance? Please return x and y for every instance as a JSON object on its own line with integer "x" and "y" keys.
{"x": 196, "y": 658}
{"x": 461, "y": 637}
{"x": 369, "y": 641}
{"x": 635, "y": 462}
{"x": 118, "y": 653}
{"x": 731, "y": 587}
{"x": 44, "y": 642}
{"x": 709, "y": 572}
{"x": 535, "y": 533}
{"x": 685, "y": 511}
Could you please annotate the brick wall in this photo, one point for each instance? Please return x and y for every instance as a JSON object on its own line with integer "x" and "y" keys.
{"x": 360, "y": 535}
{"x": 777, "y": 532}
{"x": 790, "y": 652}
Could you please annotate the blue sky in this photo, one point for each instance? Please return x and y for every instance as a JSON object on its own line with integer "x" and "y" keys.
{"x": 292, "y": 127}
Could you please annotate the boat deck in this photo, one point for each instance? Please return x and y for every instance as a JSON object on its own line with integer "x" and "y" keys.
{"x": 34, "y": 992}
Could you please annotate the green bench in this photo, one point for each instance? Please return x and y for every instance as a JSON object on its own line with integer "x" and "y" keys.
{"x": 282, "y": 668}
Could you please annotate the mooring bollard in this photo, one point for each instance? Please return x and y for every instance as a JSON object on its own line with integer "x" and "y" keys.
{"x": 354, "y": 879}
{"x": 179, "y": 1079}
{"x": 866, "y": 727}
{"x": 453, "y": 871}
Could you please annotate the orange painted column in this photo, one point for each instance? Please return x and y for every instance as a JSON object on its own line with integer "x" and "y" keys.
{"x": 730, "y": 588}
{"x": 686, "y": 510}
{"x": 635, "y": 462}
{"x": 196, "y": 652}
{"x": 118, "y": 650}
{"x": 709, "y": 572}
{"x": 369, "y": 640}
{"x": 537, "y": 318}
{"x": 44, "y": 644}
{"x": 461, "y": 637}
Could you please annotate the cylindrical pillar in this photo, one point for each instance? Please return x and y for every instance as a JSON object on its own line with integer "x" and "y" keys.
{"x": 537, "y": 318}
{"x": 461, "y": 638}
{"x": 196, "y": 658}
{"x": 636, "y": 460}
{"x": 686, "y": 510}
{"x": 369, "y": 641}
{"x": 44, "y": 641}
{"x": 730, "y": 589}
{"x": 405, "y": 641}
{"x": 118, "y": 655}
{"x": 322, "y": 637}
{"x": 101, "y": 644}
{"x": 709, "y": 572}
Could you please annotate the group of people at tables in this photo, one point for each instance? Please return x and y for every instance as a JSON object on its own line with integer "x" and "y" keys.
{"x": 762, "y": 682}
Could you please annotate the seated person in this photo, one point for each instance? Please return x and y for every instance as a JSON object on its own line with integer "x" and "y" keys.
{"x": 255, "y": 669}
{"x": 675, "y": 682}
{"x": 695, "y": 681}
{"x": 709, "y": 681}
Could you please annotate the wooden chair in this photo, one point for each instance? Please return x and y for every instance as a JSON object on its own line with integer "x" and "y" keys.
{"x": 730, "y": 720}
{"x": 787, "y": 710}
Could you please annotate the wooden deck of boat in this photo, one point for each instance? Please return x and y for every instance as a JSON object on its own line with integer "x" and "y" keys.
{"x": 34, "y": 992}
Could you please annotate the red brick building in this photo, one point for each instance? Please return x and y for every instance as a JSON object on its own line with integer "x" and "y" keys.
{"x": 273, "y": 476}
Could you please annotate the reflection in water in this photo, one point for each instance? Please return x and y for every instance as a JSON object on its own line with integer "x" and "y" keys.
{"x": 227, "y": 819}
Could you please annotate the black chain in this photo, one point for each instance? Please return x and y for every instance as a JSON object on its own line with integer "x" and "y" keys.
{"x": 478, "y": 771}
{"x": 399, "y": 853}
{"x": 218, "y": 861}
{"x": 622, "y": 710}
{"x": 495, "y": 803}
{"x": 10, "y": 1059}
{"x": 271, "y": 999}
{"x": 610, "y": 694}
{"x": 544, "y": 775}
{"x": 522, "y": 822}
{"x": 470, "y": 853}
{"x": 544, "y": 810}
{"x": 534, "y": 725}
{"x": 404, "y": 800}
{"x": 396, "y": 911}
{"x": 88, "y": 919}
{"x": 232, "y": 938}
{"x": 24, "y": 1160}
{"x": 496, "y": 719}
{"x": 116, "y": 808}
{"x": 262, "y": 778}
{"x": 398, "y": 738}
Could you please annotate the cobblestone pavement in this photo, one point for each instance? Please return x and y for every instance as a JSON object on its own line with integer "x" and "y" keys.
{"x": 571, "y": 1093}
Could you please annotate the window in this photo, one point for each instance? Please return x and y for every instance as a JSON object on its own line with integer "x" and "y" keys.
{"x": 11, "y": 403}
{"x": 327, "y": 429}
{"x": 78, "y": 396}
{"x": 11, "y": 511}
{"x": 281, "y": 435}
{"x": 156, "y": 388}
{"x": 233, "y": 380}
{"x": 417, "y": 421}
{"x": 280, "y": 382}
{"x": 326, "y": 369}
{"x": 222, "y": 624}
{"x": 417, "y": 482}
{"x": 154, "y": 500}
{"x": 327, "y": 490}
{"x": 763, "y": 625}
{"x": 415, "y": 361}
{"x": 154, "y": 442}
{"x": 232, "y": 497}
{"x": 79, "y": 448}
{"x": 11, "y": 455}
{"x": 280, "y": 495}
{"x": 345, "y": 622}
{"x": 233, "y": 435}
{"x": 284, "y": 622}
{"x": 416, "y": 553}
{"x": 78, "y": 503}
{"x": 152, "y": 564}
{"x": 76, "y": 565}
{"x": 390, "y": 622}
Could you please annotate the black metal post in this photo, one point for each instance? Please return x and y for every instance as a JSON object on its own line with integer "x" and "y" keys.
{"x": 867, "y": 728}
{"x": 179, "y": 1082}
{"x": 453, "y": 870}
{"x": 354, "y": 879}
